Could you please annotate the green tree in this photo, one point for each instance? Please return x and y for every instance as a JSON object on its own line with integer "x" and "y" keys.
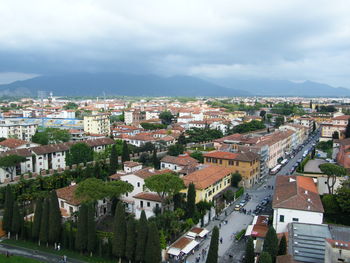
{"x": 91, "y": 229}
{"x": 37, "y": 218}
{"x": 235, "y": 179}
{"x": 119, "y": 235}
{"x": 8, "y": 209}
{"x": 314, "y": 126}
{"x": 165, "y": 185}
{"x": 16, "y": 220}
{"x": 347, "y": 130}
{"x": 343, "y": 197}
{"x": 155, "y": 159}
{"x": 265, "y": 258}
{"x": 142, "y": 229}
{"x": 176, "y": 149}
{"x": 279, "y": 121}
{"x": 130, "y": 240}
{"x": 214, "y": 246}
{"x": 126, "y": 153}
{"x": 198, "y": 156}
{"x": 282, "y": 248}
{"x": 191, "y": 201}
{"x": 153, "y": 250}
{"x": 51, "y": 135}
{"x": 113, "y": 160}
{"x": 332, "y": 171}
{"x": 79, "y": 153}
{"x": 70, "y": 106}
{"x": 82, "y": 228}
{"x": 249, "y": 252}
{"x": 166, "y": 117}
{"x": 271, "y": 243}
{"x": 55, "y": 218}
{"x": 182, "y": 139}
{"x": 335, "y": 135}
{"x": 44, "y": 233}
{"x": 9, "y": 163}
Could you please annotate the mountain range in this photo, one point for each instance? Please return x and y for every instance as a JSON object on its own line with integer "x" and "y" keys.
{"x": 124, "y": 84}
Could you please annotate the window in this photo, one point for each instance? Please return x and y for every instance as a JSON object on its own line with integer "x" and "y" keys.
{"x": 282, "y": 218}
{"x": 157, "y": 206}
{"x": 295, "y": 219}
{"x": 70, "y": 209}
{"x": 141, "y": 204}
{"x": 138, "y": 184}
{"x": 62, "y": 204}
{"x": 148, "y": 204}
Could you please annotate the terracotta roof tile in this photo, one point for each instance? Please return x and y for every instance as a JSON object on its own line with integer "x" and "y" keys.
{"x": 67, "y": 194}
{"x": 179, "y": 160}
{"x": 13, "y": 143}
{"x": 148, "y": 196}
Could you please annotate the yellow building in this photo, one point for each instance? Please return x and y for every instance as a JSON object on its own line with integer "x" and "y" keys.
{"x": 237, "y": 114}
{"x": 247, "y": 164}
{"x": 97, "y": 124}
{"x": 209, "y": 182}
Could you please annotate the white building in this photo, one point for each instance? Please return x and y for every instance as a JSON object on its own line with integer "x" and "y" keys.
{"x": 296, "y": 199}
{"x": 17, "y": 129}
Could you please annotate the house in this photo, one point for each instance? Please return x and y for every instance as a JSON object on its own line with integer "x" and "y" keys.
{"x": 338, "y": 124}
{"x": 148, "y": 202}
{"x": 295, "y": 199}
{"x": 247, "y": 164}
{"x": 180, "y": 164}
{"x": 343, "y": 157}
{"x": 17, "y": 129}
{"x": 14, "y": 144}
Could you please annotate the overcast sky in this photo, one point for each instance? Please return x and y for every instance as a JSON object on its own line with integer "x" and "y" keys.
{"x": 295, "y": 40}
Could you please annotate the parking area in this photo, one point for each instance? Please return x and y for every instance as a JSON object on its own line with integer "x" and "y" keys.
{"x": 312, "y": 166}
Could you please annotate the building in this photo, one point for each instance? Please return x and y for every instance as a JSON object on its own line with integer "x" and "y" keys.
{"x": 181, "y": 164}
{"x": 338, "y": 124}
{"x": 17, "y": 129}
{"x": 247, "y": 164}
{"x": 343, "y": 157}
{"x": 295, "y": 199}
{"x": 97, "y": 124}
{"x": 15, "y": 144}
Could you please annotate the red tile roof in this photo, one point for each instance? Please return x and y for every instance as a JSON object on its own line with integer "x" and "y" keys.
{"x": 148, "y": 196}
{"x": 13, "y": 143}
{"x": 67, "y": 194}
{"x": 179, "y": 160}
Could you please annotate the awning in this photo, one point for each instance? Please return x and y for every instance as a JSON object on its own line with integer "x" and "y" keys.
{"x": 189, "y": 247}
{"x": 249, "y": 230}
{"x": 191, "y": 234}
{"x": 203, "y": 233}
{"x": 174, "y": 251}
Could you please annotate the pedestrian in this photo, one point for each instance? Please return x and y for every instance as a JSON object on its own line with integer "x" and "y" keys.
{"x": 219, "y": 225}
{"x": 220, "y": 240}
{"x": 65, "y": 258}
{"x": 59, "y": 247}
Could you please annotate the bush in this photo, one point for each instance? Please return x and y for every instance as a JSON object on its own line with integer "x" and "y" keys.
{"x": 240, "y": 234}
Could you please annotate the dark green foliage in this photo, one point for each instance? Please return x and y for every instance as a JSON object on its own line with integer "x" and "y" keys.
{"x": 182, "y": 139}
{"x": 142, "y": 229}
{"x": 147, "y": 147}
{"x": 198, "y": 156}
{"x": 287, "y": 109}
{"x": 155, "y": 159}
{"x": 329, "y": 108}
{"x": 191, "y": 201}
{"x": 335, "y": 135}
{"x": 130, "y": 240}
{"x": 51, "y": 135}
{"x": 9, "y": 163}
{"x": 265, "y": 258}
{"x": 44, "y": 226}
{"x": 16, "y": 219}
{"x": 176, "y": 149}
{"x": 55, "y": 219}
{"x": 152, "y": 126}
{"x": 79, "y": 153}
{"x": 325, "y": 145}
{"x": 126, "y": 153}
{"x": 202, "y": 135}
{"x": 91, "y": 229}
{"x": 119, "y": 235}
{"x": 347, "y": 130}
{"x": 235, "y": 179}
{"x": 271, "y": 243}
{"x": 8, "y": 209}
{"x": 314, "y": 127}
{"x": 249, "y": 252}
{"x": 214, "y": 246}
{"x": 166, "y": 117}
{"x": 82, "y": 228}
{"x": 247, "y": 127}
{"x": 279, "y": 121}
{"x": 113, "y": 162}
{"x": 282, "y": 248}
{"x": 153, "y": 249}
{"x": 70, "y": 106}
{"x": 37, "y": 218}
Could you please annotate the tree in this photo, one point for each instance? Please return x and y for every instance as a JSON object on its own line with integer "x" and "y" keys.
{"x": 263, "y": 114}
{"x": 249, "y": 252}
{"x": 314, "y": 126}
{"x": 332, "y": 171}
{"x": 142, "y": 229}
{"x": 155, "y": 159}
{"x": 82, "y": 228}
{"x": 16, "y": 220}
{"x": 343, "y": 197}
{"x": 130, "y": 240}
{"x": 271, "y": 243}
{"x": 153, "y": 250}
{"x": 347, "y": 130}
{"x": 191, "y": 201}
{"x": 79, "y": 153}
{"x": 166, "y": 117}
{"x": 55, "y": 218}
{"x": 113, "y": 160}
{"x": 9, "y": 163}
{"x": 144, "y": 158}
{"x": 37, "y": 218}
{"x": 313, "y": 153}
{"x": 44, "y": 234}
{"x": 8, "y": 210}
{"x": 165, "y": 185}
{"x": 126, "y": 153}
{"x": 182, "y": 139}
{"x": 198, "y": 156}
{"x": 70, "y": 106}
{"x": 265, "y": 258}
{"x": 176, "y": 149}
{"x": 119, "y": 235}
{"x": 51, "y": 135}
{"x": 279, "y": 121}
{"x": 235, "y": 179}
{"x": 282, "y": 248}
{"x": 214, "y": 246}
{"x": 91, "y": 229}
{"x": 335, "y": 135}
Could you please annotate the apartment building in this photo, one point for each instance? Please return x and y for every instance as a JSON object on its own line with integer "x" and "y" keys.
{"x": 97, "y": 124}
{"x": 338, "y": 124}
{"x": 10, "y": 128}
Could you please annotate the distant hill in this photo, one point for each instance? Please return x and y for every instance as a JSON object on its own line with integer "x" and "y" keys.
{"x": 266, "y": 87}
{"x": 88, "y": 84}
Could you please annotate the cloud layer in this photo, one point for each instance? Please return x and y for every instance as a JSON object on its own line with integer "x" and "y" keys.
{"x": 293, "y": 39}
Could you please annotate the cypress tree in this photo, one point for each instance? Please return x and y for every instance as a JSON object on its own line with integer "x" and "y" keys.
{"x": 37, "y": 218}
{"x": 282, "y": 248}
{"x": 347, "y": 130}
{"x": 265, "y": 258}
{"x": 156, "y": 162}
{"x": 91, "y": 228}
{"x": 153, "y": 250}
{"x": 44, "y": 224}
{"x": 271, "y": 243}
{"x": 8, "y": 211}
{"x": 130, "y": 240}
{"x": 191, "y": 201}
{"x": 126, "y": 153}
{"x": 16, "y": 221}
{"x": 119, "y": 231}
{"x": 182, "y": 139}
{"x": 55, "y": 218}
{"x": 113, "y": 160}
{"x": 214, "y": 246}
{"x": 249, "y": 252}
{"x": 141, "y": 237}
{"x": 82, "y": 229}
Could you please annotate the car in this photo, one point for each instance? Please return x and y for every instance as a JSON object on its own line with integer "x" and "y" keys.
{"x": 242, "y": 204}
{"x": 237, "y": 207}
{"x": 264, "y": 203}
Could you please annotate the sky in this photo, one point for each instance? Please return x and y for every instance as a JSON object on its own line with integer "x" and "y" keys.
{"x": 294, "y": 40}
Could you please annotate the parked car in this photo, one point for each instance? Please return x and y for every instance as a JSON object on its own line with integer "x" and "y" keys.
{"x": 237, "y": 207}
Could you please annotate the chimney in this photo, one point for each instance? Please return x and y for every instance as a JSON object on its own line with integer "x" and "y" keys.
{"x": 306, "y": 192}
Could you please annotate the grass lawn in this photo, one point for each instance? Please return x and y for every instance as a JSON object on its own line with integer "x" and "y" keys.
{"x": 17, "y": 259}
{"x": 68, "y": 253}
